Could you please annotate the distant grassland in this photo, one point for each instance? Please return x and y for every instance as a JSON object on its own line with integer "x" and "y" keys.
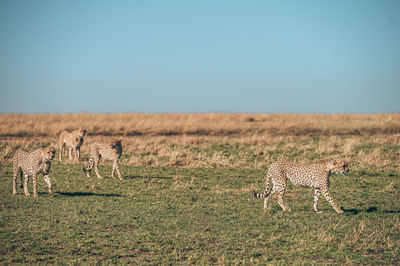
{"x": 209, "y": 124}
{"x": 186, "y": 197}
{"x": 252, "y": 141}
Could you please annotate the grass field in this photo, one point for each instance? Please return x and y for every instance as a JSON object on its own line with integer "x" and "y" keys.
{"x": 187, "y": 196}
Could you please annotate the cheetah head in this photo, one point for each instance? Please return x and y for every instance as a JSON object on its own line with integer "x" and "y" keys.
{"x": 81, "y": 135}
{"x": 82, "y": 132}
{"x": 48, "y": 153}
{"x": 340, "y": 167}
{"x": 115, "y": 143}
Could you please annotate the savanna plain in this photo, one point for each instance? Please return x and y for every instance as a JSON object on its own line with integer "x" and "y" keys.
{"x": 187, "y": 194}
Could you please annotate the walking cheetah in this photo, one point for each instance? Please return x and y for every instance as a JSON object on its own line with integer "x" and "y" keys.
{"x": 109, "y": 152}
{"x": 32, "y": 164}
{"x": 73, "y": 140}
{"x": 315, "y": 175}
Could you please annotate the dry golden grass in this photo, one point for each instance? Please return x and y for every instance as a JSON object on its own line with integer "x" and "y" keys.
{"x": 132, "y": 124}
{"x": 252, "y": 141}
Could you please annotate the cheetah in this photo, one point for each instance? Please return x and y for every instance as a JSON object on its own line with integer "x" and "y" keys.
{"x": 315, "y": 175}
{"x": 32, "y": 164}
{"x": 73, "y": 140}
{"x": 109, "y": 152}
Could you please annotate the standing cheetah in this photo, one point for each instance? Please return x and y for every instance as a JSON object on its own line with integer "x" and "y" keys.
{"x": 73, "y": 140}
{"x": 315, "y": 175}
{"x": 109, "y": 152}
{"x": 32, "y": 164}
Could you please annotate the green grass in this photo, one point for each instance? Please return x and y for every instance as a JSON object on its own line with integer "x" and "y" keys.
{"x": 200, "y": 216}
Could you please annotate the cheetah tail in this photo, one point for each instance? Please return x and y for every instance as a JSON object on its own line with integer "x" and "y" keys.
{"x": 267, "y": 190}
{"x": 262, "y": 195}
{"x": 257, "y": 195}
{"x": 89, "y": 167}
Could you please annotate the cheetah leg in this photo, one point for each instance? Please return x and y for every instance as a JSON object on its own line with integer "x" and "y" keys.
{"x": 116, "y": 167}
{"x": 48, "y": 182}
{"x": 70, "y": 153}
{"x": 78, "y": 153}
{"x": 119, "y": 173}
{"x": 34, "y": 179}
{"x": 16, "y": 173}
{"x": 280, "y": 201}
{"x": 26, "y": 186}
{"x": 113, "y": 171}
{"x": 273, "y": 191}
{"x": 14, "y": 185}
{"x": 96, "y": 169}
{"x": 20, "y": 179}
{"x": 61, "y": 151}
{"x": 329, "y": 198}
{"x": 317, "y": 193}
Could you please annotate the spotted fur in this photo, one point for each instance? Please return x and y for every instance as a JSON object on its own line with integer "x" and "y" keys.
{"x": 109, "y": 152}
{"x": 32, "y": 164}
{"x": 315, "y": 175}
{"x": 73, "y": 140}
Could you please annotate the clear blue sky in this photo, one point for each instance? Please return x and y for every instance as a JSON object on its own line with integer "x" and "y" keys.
{"x": 200, "y": 56}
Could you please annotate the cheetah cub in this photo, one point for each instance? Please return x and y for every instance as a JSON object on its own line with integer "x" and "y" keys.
{"x": 32, "y": 164}
{"x": 109, "y": 152}
{"x": 73, "y": 140}
{"x": 315, "y": 175}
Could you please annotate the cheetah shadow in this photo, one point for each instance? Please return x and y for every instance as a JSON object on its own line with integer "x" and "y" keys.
{"x": 146, "y": 177}
{"x": 369, "y": 210}
{"x": 88, "y": 194}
